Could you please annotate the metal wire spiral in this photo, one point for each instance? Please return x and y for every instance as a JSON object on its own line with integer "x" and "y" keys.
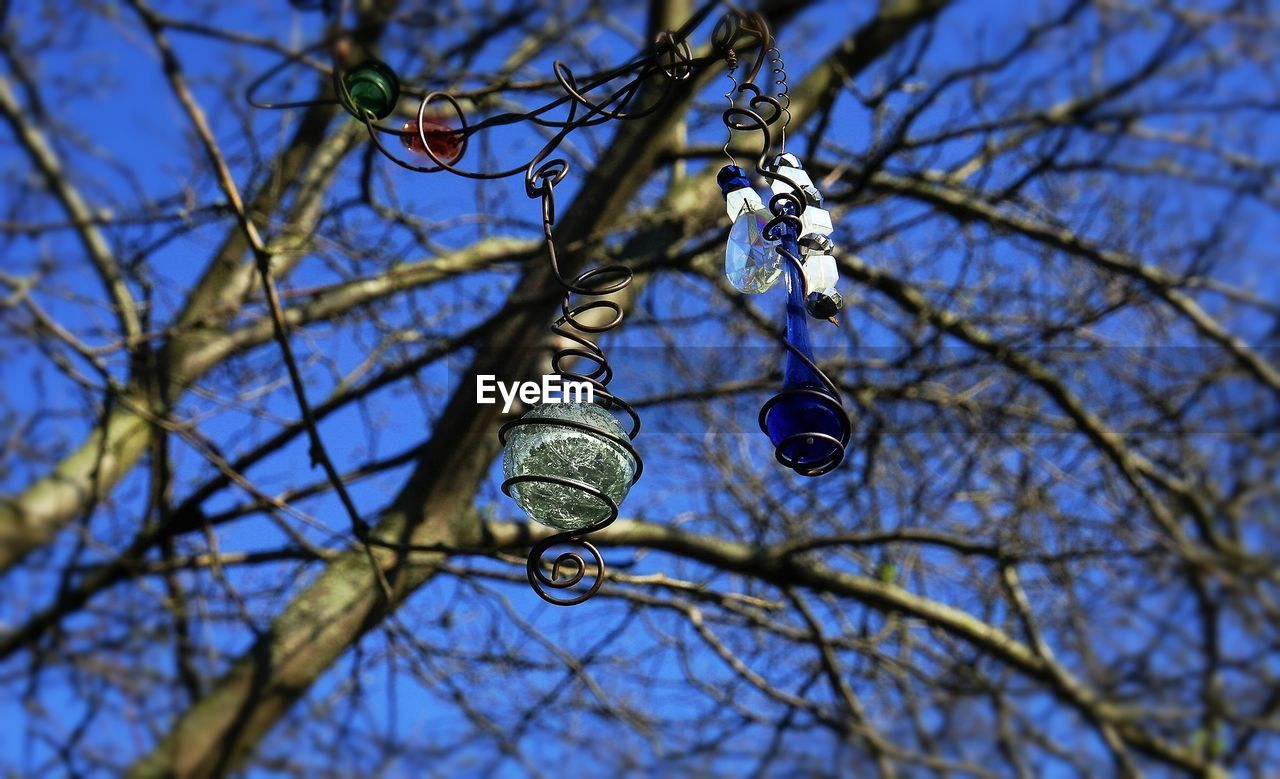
{"x": 760, "y": 113}
{"x": 781, "y": 90}
{"x": 670, "y": 59}
{"x": 601, "y": 280}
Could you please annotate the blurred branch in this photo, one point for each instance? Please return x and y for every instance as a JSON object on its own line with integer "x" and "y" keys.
{"x": 59, "y": 183}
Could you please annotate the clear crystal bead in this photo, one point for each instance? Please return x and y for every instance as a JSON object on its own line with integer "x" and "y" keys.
{"x": 750, "y": 261}
{"x": 567, "y": 452}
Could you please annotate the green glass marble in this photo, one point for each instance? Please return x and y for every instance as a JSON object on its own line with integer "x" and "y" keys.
{"x": 373, "y": 88}
{"x": 556, "y": 450}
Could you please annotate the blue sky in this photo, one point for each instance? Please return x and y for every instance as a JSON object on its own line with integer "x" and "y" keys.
{"x": 128, "y": 142}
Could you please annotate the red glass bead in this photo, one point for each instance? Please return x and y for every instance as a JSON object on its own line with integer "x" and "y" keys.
{"x": 441, "y": 139}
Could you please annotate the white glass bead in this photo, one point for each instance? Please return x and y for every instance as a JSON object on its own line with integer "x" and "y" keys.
{"x": 815, "y": 220}
{"x": 797, "y": 175}
{"x": 820, "y": 272}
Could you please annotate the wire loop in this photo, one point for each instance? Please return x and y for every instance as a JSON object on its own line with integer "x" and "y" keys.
{"x": 759, "y": 115}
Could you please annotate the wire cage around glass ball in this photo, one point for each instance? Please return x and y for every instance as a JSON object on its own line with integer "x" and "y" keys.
{"x": 568, "y": 465}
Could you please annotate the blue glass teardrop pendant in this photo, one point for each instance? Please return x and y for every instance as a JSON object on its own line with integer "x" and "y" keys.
{"x": 806, "y": 423}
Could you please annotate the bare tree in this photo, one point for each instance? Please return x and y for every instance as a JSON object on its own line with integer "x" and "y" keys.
{"x": 251, "y": 519}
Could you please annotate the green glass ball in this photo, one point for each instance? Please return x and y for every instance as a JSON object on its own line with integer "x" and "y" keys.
{"x": 571, "y": 453}
{"x": 373, "y": 88}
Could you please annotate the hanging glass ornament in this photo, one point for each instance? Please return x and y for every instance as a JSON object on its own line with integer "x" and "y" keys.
{"x": 751, "y": 261}
{"x": 572, "y": 470}
{"x": 373, "y": 88}
{"x": 442, "y": 140}
{"x": 806, "y": 423}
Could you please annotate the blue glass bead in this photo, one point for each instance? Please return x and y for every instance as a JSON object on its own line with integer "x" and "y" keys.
{"x": 732, "y": 177}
